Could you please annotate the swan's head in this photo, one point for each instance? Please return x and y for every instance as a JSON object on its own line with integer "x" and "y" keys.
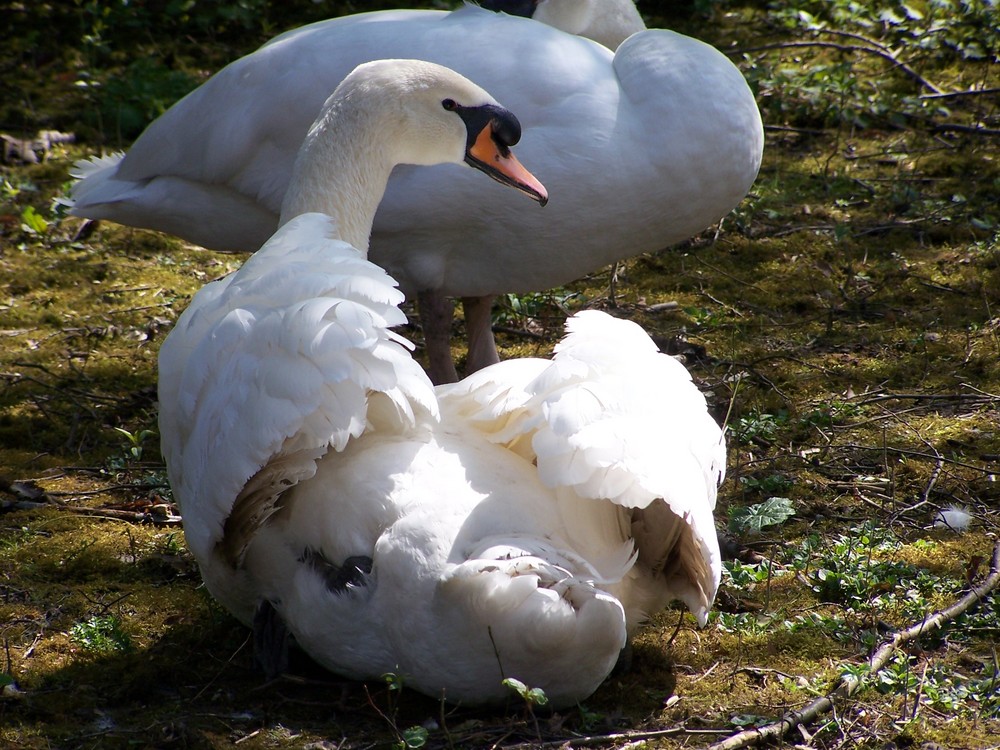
{"x": 436, "y": 116}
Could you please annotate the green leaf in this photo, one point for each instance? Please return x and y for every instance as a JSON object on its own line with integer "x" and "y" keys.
{"x": 32, "y": 221}
{"x": 516, "y": 685}
{"x": 747, "y": 720}
{"x": 531, "y": 696}
{"x": 393, "y": 681}
{"x": 537, "y": 697}
{"x": 415, "y": 737}
{"x": 101, "y": 634}
{"x": 753, "y": 518}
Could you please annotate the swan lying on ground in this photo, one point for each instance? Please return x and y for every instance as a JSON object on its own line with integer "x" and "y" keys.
{"x": 645, "y": 147}
{"x": 520, "y": 523}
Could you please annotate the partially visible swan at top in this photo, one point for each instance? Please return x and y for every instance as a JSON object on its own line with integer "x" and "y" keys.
{"x": 520, "y": 523}
{"x": 645, "y": 147}
{"x": 607, "y": 22}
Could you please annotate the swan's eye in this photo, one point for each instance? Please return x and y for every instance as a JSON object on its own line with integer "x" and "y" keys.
{"x": 449, "y": 104}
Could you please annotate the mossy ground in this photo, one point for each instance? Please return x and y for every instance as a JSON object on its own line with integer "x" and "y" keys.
{"x": 845, "y": 322}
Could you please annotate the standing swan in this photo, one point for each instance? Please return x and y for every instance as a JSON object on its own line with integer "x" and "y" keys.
{"x": 645, "y": 147}
{"x": 520, "y": 523}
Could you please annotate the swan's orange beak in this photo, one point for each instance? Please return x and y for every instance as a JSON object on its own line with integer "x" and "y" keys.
{"x": 489, "y": 155}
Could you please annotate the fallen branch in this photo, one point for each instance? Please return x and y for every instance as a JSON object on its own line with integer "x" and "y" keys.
{"x": 907, "y": 453}
{"x": 849, "y": 683}
{"x": 951, "y": 127}
{"x": 615, "y": 738}
{"x": 156, "y": 514}
{"x": 958, "y": 94}
{"x": 975, "y": 397}
{"x": 32, "y": 497}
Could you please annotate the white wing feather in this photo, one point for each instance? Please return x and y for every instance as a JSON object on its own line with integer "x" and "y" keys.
{"x": 279, "y": 360}
{"x": 611, "y": 418}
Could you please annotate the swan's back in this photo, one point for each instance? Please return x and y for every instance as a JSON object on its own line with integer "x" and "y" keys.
{"x": 214, "y": 168}
{"x": 244, "y": 125}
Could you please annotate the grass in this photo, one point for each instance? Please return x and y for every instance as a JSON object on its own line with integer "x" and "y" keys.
{"x": 844, "y": 320}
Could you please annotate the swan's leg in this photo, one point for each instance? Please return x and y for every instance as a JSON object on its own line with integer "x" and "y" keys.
{"x": 479, "y": 329}
{"x": 435, "y": 312}
{"x": 270, "y": 640}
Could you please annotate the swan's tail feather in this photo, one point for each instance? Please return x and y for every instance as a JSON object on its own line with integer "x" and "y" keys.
{"x": 612, "y": 419}
{"x": 91, "y": 177}
{"x": 85, "y": 168}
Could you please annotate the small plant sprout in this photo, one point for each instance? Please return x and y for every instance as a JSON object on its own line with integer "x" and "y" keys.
{"x": 531, "y": 696}
{"x": 101, "y": 635}
{"x": 33, "y": 222}
{"x": 135, "y": 441}
{"x": 407, "y": 739}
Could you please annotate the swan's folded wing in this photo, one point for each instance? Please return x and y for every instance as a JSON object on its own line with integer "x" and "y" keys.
{"x": 610, "y": 418}
{"x": 625, "y": 423}
{"x": 272, "y": 366}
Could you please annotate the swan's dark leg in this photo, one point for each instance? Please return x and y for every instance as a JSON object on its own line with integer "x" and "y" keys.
{"x": 435, "y": 312}
{"x": 479, "y": 330}
{"x": 270, "y": 641}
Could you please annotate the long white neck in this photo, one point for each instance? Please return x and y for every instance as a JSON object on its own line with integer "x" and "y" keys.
{"x": 342, "y": 170}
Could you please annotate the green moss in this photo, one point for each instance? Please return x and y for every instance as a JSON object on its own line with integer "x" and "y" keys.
{"x": 853, "y": 297}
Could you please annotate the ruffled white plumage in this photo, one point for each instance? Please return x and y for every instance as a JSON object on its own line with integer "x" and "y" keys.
{"x": 477, "y": 548}
{"x": 282, "y": 357}
{"x": 517, "y": 524}
{"x": 610, "y": 419}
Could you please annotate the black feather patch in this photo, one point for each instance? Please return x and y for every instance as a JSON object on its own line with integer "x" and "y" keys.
{"x": 354, "y": 572}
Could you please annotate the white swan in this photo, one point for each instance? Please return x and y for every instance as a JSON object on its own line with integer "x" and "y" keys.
{"x": 519, "y": 523}
{"x": 608, "y": 22}
{"x": 644, "y": 147}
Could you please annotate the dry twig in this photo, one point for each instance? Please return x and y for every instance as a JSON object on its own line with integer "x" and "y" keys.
{"x": 849, "y": 683}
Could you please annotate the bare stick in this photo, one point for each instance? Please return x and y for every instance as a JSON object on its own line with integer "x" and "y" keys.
{"x": 968, "y": 129}
{"x": 605, "y": 739}
{"x": 849, "y": 683}
{"x": 160, "y": 519}
{"x": 958, "y": 94}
